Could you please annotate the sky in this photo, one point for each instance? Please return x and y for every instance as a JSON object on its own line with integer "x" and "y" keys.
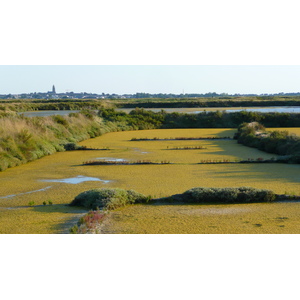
{"x": 130, "y": 79}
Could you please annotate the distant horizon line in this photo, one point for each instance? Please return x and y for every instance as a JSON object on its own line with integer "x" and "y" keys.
{"x": 153, "y": 94}
{"x": 53, "y": 92}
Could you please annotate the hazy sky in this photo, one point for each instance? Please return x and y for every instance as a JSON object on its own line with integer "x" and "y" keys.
{"x": 124, "y": 79}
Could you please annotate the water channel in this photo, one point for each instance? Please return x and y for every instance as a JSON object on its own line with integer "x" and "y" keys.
{"x": 279, "y": 109}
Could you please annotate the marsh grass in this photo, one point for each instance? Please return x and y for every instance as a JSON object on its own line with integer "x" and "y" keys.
{"x": 158, "y": 181}
{"x": 187, "y": 148}
{"x": 113, "y": 162}
{"x": 255, "y": 218}
{"x": 39, "y": 219}
{"x": 180, "y": 138}
{"x": 26, "y": 139}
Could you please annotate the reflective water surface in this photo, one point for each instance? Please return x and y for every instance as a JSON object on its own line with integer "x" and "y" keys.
{"x": 279, "y": 109}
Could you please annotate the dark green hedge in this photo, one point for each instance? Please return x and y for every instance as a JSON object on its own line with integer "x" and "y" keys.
{"x": 224, "y": 195}
{"x": 142, "y": 119}
{"x": 108, "y": 198}
{"x": 278, "y": 142}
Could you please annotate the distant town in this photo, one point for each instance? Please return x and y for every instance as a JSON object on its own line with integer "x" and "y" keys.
{"x": 83, "y": 95}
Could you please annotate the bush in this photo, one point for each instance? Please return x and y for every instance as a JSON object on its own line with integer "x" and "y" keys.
{"x": 74, "y": 229}
{"x": 89, "y": 223}
{"x": 278, "y": 142}
{"x": 60, "y": 120}
{"x": 108, "y": 198}
{"x": 73, "y": 146}
{"x": 227, "y": 195}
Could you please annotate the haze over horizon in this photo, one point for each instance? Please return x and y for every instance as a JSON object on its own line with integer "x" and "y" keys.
{"x": 153, "y": 79}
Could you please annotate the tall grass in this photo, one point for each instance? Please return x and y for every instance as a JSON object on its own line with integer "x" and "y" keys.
{"x": 52, "y": 104}
{"x": 25, "y": 139}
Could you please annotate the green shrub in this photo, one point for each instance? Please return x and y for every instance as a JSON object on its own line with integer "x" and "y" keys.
{"x": 278, "y": 142}
{"x": 60, "y": 120}
{"x": 73, "y": 146}
{"x": 136, "y": 197}
{"x": 74, "y": 229}
{"x": 88, "y": 113}
{"x": 108, "y": 198}
{"x": 227, "y": 195}
{"x": 70, "y": 146}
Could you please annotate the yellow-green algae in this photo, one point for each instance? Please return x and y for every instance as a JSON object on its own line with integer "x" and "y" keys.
{"x": 155, "y": 180}
{"x": 251, "y": 218}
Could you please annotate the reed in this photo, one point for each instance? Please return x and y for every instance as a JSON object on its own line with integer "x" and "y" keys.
{"x": 188, "y": 148}
{"x": 181, "y": 138}
{"x": 113, "y": 162}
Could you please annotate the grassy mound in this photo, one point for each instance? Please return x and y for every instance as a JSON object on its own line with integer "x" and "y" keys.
{"x": 108, "y": 198}
{"x": 225, "y": 195}
{"x": 24, "y": 139}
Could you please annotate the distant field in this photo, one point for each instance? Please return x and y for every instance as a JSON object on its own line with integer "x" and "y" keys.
{"x": 25, "y": 183}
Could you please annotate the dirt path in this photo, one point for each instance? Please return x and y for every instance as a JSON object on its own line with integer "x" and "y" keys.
{"x": 70, "y": 223}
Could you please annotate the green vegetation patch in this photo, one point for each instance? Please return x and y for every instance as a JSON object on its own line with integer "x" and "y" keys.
{"x": 111, "y": 199}
{"x": 88, "y": 223}
{"x": 108, "y": 198}
{"x": 25, "y": 139}
{"x": 139, "y": 119}
{"x": 279, "y": 142}
{"x": 225, "y": 195}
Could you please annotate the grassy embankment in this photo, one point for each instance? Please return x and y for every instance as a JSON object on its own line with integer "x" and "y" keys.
{"x": 52, "y": 104}
{"x": 26, "y": 139}
{"x": 283, "y": 143}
